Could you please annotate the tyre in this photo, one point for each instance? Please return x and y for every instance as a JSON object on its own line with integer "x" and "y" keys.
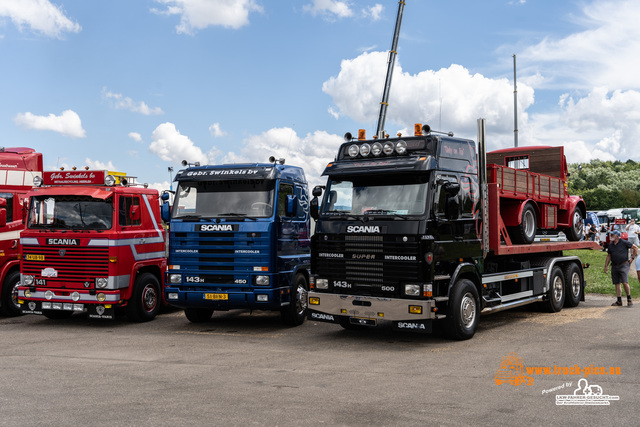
{"x": 463, "y": 312}
{"x": 198, "y": 315}
{"x": 57, "y": 314}
{"x": 573, "y": 285}
{"x": 10, "y": 306}
{"x": 145, "y": 299}
{"x": 575, "y": 231}
{"x": 295, "y": 313}
{"x": 526, "y": 231}
{"x": 556, "y": 293}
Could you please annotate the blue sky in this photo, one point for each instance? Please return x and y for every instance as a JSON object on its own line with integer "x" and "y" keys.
{"x": 138, "y": 86}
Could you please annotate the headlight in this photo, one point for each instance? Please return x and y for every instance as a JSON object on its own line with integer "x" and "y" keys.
{"x": 37, "y": 181}
{"x": 388, "y": 148}
{"x": 262, "y": 280}
{"x": 175, "y": 278}
{"x": 353, "y": 150}
{"x": 365, "y": 149}
{"x": 401, "y": 147}
{"x": 28, "y": 280}
{"x": 27, "y": 293}
{"x": 102, "y": 282}
{"x": 412, "y": 290}
{"x": 109, "y": 180}
{"x": 75, "y": 296}
{"x": 49, "y": 294}
{"x": 376, "y": 149}
{"x": 322, "y": 284}
{"x": 101, "y": 297}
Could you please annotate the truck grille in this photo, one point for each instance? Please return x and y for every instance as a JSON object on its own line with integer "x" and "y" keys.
{"x": 365, "y": 260}
{"x": 73, "y": 264}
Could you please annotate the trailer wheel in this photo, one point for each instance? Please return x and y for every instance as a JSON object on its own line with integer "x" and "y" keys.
{"x": 57, "y": 314}
{"x": 573, "y": 285}
{"x": 295, "y": 313}
{"x": 198, "y": 315}
{"x": 463, "y": 312}
{"x": 10, "y": 306}
{"x": 556, "y": 294}
{"x": 145, "y": 299}
{"x": 525, "y": 232}
{"x": 575, "y": 232}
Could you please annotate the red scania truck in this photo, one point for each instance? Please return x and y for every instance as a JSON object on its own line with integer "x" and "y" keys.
{"x": 18, "y": 168}
{"x": 93, "y": 242}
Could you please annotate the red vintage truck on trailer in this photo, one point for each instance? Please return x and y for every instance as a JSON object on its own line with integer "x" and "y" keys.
{"x": 18, "y": 168}
{"x": 532, "y": 192}
{"x": 93, "y": 242}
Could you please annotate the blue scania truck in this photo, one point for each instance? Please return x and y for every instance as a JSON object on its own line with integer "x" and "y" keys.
{"x": 239, "y": 238}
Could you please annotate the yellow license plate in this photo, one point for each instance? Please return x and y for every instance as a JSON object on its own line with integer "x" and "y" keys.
{"x": 216, "y": 296}
{"x": 35, "y": 257}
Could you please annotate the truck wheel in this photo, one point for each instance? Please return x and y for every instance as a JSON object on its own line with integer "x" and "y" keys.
{"x": 464, "y": 310}
{"x": 556, "y": 294}
{"x": 198, "y": 315}
{"x": 10, "y": 306}
{"x": 57, "y": 314}
{"x": 145, "y": 299}
{"x": 526, "y": 231}
{"x": 295, "y": 313}
{"x": 573, "y": 285}
{"x": 575, "y": 232}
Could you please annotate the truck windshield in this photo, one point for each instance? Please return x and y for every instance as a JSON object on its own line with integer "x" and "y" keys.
{"x": 70, "y": 212}
{"x": 376, "y": 195}
{"x": 213, "y": 199}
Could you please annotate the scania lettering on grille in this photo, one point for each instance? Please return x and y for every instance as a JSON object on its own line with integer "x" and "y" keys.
{"x": 63, "y": 242}
{"x": 216, "y": 227}
{"x": 363, "y": 229}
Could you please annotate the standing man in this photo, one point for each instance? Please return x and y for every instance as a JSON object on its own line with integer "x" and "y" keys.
{"x": 618, "y": 256}
{"x": 632, "y": 231}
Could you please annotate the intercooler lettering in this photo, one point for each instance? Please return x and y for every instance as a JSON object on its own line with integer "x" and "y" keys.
{"x": 330, "y": 255}
{"x": 400, "y": 257}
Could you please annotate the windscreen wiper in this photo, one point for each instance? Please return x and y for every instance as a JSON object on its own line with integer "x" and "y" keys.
{"x": 237, "y": 214}
{"x": 386, "y": 212}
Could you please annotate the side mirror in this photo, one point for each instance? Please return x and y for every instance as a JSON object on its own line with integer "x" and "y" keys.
{"x": 313, "y": 204}
{"x": 3, "y": 211}
{"x": 291, "y": 209}
{"x": 165, "y": 211}
{"x": 134, "y": 213}
{"x": 452, "y": 188}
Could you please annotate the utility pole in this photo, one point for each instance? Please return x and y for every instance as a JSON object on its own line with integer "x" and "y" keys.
{"x": 515, "y": 104}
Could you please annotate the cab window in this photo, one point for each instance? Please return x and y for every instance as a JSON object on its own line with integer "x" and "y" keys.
{"x": 129, "y": 213}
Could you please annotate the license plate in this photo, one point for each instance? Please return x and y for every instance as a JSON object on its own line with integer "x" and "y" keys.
{"x": 35, "y": 257}
{"x": 216, "y": 296}
{"x": 362, "y": 321}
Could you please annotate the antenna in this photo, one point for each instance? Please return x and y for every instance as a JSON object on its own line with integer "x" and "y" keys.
{"x": 390, "y": 63}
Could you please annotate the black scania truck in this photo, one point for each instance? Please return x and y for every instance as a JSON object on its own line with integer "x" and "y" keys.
{"x": 402, "y": 236}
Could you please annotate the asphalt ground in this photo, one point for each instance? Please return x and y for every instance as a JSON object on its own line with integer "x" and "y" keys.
{"x": 247, "y": 369}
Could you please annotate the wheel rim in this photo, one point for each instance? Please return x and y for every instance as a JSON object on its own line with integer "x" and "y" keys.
{"x": 557, "y": 288}
{"x": 529, "y": 223}
{"x": 577, "y": 222}
{"x": 467, "y": 310}
{"x": 14, "y": 295}
{"x": 575, "y": 284}
{"x": 301, "y": 299}
{"x": 149, "y": 298}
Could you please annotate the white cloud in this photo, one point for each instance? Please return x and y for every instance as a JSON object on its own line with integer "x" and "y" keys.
{"x": 452, "y": 95}
{"x": 125, "y": 103}
{"x": 135, "y": 136}
{"x": 98, "y": 165}
{"x": 375, "y": 12}
{"x": 605, "y": 51}
{"x": 329, "y": 8}
{"x": 312, "y": 152}
{"x": 200, "y": 14}
{"x": 68, "y": 123}
{"x": 41, "y": 16}
{"x": 171, "y": 146}
{"x": 216, "y": 131}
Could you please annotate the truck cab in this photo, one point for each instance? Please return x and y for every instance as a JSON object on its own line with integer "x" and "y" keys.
{"x": 239, "y": 239}
{"x": 93, "y": 243}
{"x": 19, "y": 166}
